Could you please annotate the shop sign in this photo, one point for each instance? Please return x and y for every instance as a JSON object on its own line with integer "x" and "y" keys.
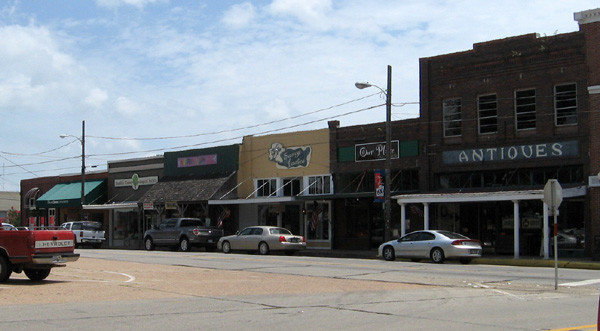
{"x": 290, "y": 157}
{"x": 379, "y": 185}
{"x": 148, "y": 206}
{"x": 172, "y": 205}
{"x": 375, "y": 151}
{"x": 135, "y": 181}
{"x": 196, "y": 161}
{"x": 513, "y": 153}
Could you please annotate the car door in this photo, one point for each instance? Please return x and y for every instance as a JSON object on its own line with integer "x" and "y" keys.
{"x": 165, "y": 231}
{"x": 404, "y": 247}
{"x": 255, "y": 238}
{"x": 241, "y": 240}
{"x": 422, "y": 246}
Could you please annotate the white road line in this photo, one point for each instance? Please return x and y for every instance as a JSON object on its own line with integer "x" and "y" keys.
{"x": 582, "y": 283}
{"x": 131, "y": 278}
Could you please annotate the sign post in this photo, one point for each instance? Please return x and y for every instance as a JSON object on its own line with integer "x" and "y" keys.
{"x": 553, "y": 198}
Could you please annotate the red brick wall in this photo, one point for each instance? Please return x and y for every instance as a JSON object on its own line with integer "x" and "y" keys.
{"x": 592, "y": 49}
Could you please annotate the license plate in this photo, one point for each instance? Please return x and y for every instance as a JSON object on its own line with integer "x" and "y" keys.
{"x": 294, "y": 240}
{"x": 211, "y": 241}
{"x": 474, "y": 251}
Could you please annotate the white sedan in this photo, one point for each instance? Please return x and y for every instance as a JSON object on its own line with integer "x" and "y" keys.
{"x": 262, "y": 239}
{"x": 438, "y": 245}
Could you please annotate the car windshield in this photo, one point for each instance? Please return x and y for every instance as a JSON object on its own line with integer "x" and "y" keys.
{"x": 93, "y": 226}
{"x": 7, "y": 226}
{"x": 279, "y": 231}
{"x": 452, "y": 235}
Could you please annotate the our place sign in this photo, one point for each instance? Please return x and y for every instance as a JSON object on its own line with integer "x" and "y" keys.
{"x": 512, "y": 153}
{"x": 375, "y": 151}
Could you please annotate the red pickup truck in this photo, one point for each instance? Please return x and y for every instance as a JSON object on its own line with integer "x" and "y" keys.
{"x": 34, "y": 252}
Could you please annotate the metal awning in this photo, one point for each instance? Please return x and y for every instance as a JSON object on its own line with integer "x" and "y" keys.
{"x": 265, "y": 200}
{"x": 69, "y": 194}
{"x": 112, "y": 206}
{"x": 484, "y": 196}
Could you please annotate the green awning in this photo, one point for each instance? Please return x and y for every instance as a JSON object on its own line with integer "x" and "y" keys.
{"x": 69, "y": 194}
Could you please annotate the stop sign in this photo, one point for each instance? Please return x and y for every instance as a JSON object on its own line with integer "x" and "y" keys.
{"x": 553, "y": 194}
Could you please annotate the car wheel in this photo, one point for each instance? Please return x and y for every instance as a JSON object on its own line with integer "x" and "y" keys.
{"x": 184, "y": 244}
{"x": 149, "y": 244}
{"x": 5, "y": 269}
{"x": 226, "y": 247}
{"x": 465, "y": 260}
{"x": 37, "y": 274}
{"x": 437, "y": 255}
{"x": 388, "y": 253}
{"x": 263, "y": 248}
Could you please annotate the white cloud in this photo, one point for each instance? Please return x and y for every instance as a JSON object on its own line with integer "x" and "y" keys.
{"x": 96, "y": 98}
{"x": 135, "y": 3}
{"x": 127, "y": 107}
{"x": 307, "y": 11}
{"x": 239, "y": 15}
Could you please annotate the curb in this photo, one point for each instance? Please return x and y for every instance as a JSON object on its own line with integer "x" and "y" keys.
{"x": 484, "y": 260}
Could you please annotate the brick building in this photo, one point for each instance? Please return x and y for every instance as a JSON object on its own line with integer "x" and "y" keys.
{"x": 503, "y": 118}
{"x": 496, "y": 123}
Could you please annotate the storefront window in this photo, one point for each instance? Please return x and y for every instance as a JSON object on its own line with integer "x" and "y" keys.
{"x": 126, "y": 227}
{"x": 317, "y": 220}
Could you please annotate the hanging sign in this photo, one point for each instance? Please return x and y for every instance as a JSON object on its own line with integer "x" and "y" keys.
{"x": 379, "y": 185}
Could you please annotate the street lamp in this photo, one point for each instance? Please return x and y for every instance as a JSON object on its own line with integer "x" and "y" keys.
{"x": 82, "y": 141}
{"x": 388, "y": 157}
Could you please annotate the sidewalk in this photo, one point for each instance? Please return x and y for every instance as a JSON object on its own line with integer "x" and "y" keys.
{"x": 571, "y": 262}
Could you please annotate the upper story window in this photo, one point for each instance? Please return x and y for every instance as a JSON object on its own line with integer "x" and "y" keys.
{"x": 525, "y": 114}
{"x": 565, "y": 104}
{"x": 320, "y": 184}
{"x": 266, "y": 187}
{"x": 291, "y": 187}
{"x": 487, "y": 109}
{"x": 452, "y": 117}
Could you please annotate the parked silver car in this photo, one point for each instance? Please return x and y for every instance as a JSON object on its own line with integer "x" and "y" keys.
{"x": 264, "y": 239}
{"x": 438, "y": 245}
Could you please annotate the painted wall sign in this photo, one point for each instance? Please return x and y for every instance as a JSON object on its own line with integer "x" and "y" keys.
{"x": 290, "y": 157}
{"x": 148, "y": 206}
{"x": 375, "y": 151}
{"x": 135, "y": 181}
{"x": 512, "y": 153}
{"x": 195, "y": 161}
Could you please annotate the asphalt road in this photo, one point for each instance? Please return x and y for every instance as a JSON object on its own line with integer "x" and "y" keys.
{"x": 113, "y": 289}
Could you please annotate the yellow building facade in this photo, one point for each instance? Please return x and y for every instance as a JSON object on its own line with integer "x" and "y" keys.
{"x": 283, "y": 180}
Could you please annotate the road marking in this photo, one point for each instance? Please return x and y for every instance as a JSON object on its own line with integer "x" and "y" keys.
{"x": 131, "y": 278}
{"x": 582, "y": 283}
{"x": 577, "y": 328}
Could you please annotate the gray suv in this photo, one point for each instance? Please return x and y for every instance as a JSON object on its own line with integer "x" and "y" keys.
{"x": 183, "y": 233}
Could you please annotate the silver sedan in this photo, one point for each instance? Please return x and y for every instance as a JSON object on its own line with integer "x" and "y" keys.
{"x": 438, "y": 245}
{"x": 264, "y": 239}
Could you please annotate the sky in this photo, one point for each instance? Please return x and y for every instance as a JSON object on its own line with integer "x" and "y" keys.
{"x": 155, "y": 76}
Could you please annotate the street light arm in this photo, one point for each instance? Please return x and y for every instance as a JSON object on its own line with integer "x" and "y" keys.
{"x": 363, "y": 85}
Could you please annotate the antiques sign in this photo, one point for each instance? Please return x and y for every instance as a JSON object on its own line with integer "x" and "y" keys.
{"x": 375, "y": 151}
{"x": 512, "y": 153}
